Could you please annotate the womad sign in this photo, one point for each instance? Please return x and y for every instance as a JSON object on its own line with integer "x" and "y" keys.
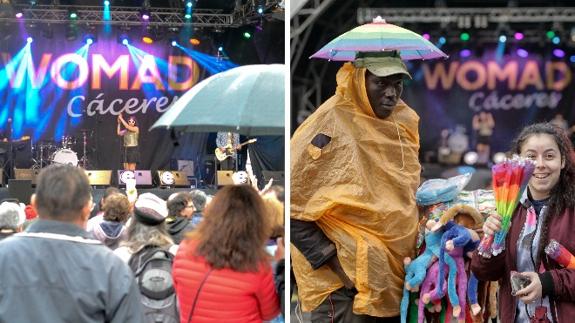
{"x": 53, "y": 88}
{"x": 517, "y": 91}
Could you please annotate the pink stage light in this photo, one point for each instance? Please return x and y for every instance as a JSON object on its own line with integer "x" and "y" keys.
{"x": 519, "y": 36}
{"x": 19, "y": 15}
{"x": 426, "y": 36}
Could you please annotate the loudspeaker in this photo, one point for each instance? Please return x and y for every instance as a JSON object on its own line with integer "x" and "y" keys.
{"x": 225, "y": 177}
{"x": 26, "y": 174}
{"x": 143, "y": 177}
{"x": 99, "y": 177}
{"x": 173, "y": 178}
{"x": 278, "y": 177}
{"x": 20, "y": 189}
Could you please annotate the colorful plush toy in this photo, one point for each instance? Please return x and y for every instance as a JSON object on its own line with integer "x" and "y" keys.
{"x": 458, "y": 240}
{"x": 416, "y": 270}
{"x": 429, "y": 282}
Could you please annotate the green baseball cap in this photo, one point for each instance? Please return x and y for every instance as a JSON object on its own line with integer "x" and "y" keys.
{"x": 381, "y": 63}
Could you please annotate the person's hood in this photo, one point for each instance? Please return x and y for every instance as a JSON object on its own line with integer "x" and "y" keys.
{"x": 109, "y": 231}
{"x": 178, "y": 225}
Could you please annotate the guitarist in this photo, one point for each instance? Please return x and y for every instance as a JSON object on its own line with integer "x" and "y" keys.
{"x": 228, "y": 143}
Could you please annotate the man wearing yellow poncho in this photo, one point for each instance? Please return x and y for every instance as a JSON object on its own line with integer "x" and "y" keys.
{"x": 354, "y": 173}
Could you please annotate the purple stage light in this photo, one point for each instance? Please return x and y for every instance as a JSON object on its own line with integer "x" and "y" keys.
{"x": 465, "y": 53}
{"x": 559, "y": 53}
{"x": 19, "y": 15}
{"x": 572, "y": 58}
{"x": 145, "y": 16}
{"x": 519, "y": 36}
{"x": 426, "y": 36}
{"x": 522, "y": 53}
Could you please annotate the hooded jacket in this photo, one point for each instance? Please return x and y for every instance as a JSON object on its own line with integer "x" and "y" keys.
{"x": 178, "y": 227}
{"x": 355, "y": 176}
{"x": 110, "y": 233}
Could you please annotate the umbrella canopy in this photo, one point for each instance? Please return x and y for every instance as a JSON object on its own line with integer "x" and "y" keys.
{"x": 248, "y": 100}
{"x": 379, "y": 36}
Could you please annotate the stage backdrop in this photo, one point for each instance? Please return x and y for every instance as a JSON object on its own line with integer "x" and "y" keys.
{"x": 54, "y": 87}
{"x": 517, "y": 91}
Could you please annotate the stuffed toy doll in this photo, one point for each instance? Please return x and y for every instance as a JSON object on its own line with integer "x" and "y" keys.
{"x": 458, "y": 240}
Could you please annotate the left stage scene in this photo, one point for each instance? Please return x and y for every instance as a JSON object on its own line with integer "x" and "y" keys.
{"x": 142, "y": 159}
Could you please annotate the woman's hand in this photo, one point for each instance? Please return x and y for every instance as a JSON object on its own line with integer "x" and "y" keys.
{"x": 492, "y": 224}
{"x": 533, "y": 291}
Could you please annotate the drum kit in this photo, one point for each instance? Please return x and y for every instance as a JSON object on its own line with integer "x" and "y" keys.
{"x": 49, "y": 152}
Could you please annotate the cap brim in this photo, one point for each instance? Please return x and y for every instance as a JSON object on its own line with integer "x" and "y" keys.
{"x": 383, "y": 71}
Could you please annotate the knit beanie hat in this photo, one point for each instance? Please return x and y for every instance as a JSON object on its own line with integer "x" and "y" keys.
{"x": 150, "y": 209}
{"x": 11, "y": 215}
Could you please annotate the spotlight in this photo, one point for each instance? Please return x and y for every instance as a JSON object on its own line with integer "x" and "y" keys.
{"x": 572, "y": 58}
{"x": 550, "y": 34}
{"x": 124, "y": 39}
{"x": 559, "y": 53}
{"x": 19, "y": 15}
{"x": 522, "y": 53}
{"x": 499, "y": 157}
{"x": 73, "y": 14}
{"x": 106, "y": 3}
{"x": 247, "y": 35}
{"x": 260, "y": 10}
{"x": 220, "y": 49}
{"x": 556, "y": 40}
{"x": 189, "y": 4}
{"x": 188, "y": 16}
{"x": 502, "y": 38}
{"x": 29, "y": 40}
{"x": 426, "y": 36}
{"x": 145, "y": 16}
{"x": 89, "y": 39}
{"x": 174, "y": 43}
{"x": 518, "y": 36}
{"x": 442, "y": 40}
{"x": 464, "y": 36}
{"x": 470, "y": 158}
{"x": 195, "y": 41}
{"x": 465, "y": 53}
{"x": 147, "y": 40}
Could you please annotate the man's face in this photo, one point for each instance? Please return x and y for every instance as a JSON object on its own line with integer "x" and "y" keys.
{"x": 383, "y": 93}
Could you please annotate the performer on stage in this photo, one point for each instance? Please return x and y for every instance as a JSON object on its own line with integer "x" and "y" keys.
{"x": 131, "y": 152}
{"x": 228, "y": 144}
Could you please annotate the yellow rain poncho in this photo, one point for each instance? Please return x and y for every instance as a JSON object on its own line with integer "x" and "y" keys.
{"x": 360, "y": 190}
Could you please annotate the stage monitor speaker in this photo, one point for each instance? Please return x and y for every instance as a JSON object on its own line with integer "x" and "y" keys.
{"x": 143, "y": 177}
{"x": 225, "y": 177}
{"x": 99, "y": 177}
{"x": 278, "y": 177}
{"x": 26, "y": 174}
{"x": 20, "y": 189}
{"x": 173, "y": 178}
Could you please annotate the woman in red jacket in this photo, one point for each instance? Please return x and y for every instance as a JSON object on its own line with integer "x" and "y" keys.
{"x": 222, "y": 272}
{"x": 546, "y": 211}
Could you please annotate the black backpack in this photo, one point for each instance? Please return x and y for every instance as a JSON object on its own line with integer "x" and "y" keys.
{"x": 152, "y": 267}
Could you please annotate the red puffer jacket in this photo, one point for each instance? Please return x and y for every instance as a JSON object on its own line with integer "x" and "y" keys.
{"x": 227, "y": 295}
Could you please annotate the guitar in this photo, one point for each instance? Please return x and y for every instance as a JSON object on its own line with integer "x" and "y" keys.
{"x": 225, "y": 152}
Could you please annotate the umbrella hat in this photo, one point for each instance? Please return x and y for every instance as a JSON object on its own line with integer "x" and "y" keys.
{"x": 248, "y": 100}
{"x": 379, "y": 36}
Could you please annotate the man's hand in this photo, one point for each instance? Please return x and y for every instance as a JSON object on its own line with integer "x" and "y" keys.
{"x": 335, "y": 265}
{"x": 533, "y": 291}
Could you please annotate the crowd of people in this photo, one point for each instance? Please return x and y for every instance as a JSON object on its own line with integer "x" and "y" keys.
{"x": 149, "y": 260}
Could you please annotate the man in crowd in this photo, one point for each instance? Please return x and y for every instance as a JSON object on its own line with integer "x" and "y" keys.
{"x": 354, "y": 173}
{"x": 54, "y": 271}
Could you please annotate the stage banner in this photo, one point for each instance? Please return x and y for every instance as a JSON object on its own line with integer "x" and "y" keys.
{"x": 517, "y": 91}
{"x": 63, "y": 93}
